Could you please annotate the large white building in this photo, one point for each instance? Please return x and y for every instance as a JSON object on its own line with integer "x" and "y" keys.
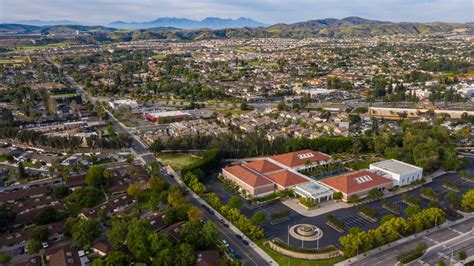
{"x": 402, "y": 173}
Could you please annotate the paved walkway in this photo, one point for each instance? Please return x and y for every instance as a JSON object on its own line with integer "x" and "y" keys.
{"x": 325, "y": 207}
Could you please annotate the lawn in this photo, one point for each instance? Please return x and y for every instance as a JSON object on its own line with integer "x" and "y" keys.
{"x": 39, "y": 47}
{"x": 284, "y": 260}
{"x": 13, "y": 60}
{"x": 178, "y": 160}
{"x": 32, "y": 165}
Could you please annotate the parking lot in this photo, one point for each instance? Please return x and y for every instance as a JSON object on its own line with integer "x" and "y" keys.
{"x": 348, "y": 215}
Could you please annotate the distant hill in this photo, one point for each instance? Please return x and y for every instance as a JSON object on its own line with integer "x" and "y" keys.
{"x": 184, "y": 23}
{"x": 334, "y": 28}
{"x": 46, "y": 22}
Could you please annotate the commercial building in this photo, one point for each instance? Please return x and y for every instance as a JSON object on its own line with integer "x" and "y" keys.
{"x": 279, "y": 172}
{"x": 301, "y": 160}
{"x": 357, "y": 183}
{"x": 172, "y": 116}
{"x": 132, "y": 104}
{"x": 402, "y": 173}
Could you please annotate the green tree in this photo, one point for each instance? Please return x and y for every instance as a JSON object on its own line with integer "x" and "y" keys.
{"x": 33, "y": 246}
{"x": 187, "y": 255}
{"x": 165, "y": 257}
{"x": 40, "y": 233}
{"x": 135, "y": 190}
{"x": 85, "y": 231}
{"x": 209, "y": 235}
{"x": 118, "y": 231}
{"x": 453, "y": 199}
{"x": 114, "y": 258}
{"x": 47, "y": 215}
{"x": 7, "y": 217}
{"x": 95, "y": 177}
{"x": 138, "y": 239}
{"x": 234, "y": 202}
{"x": 61, "y": 191}
{"x": 258, "y": 218}
{"x": 468, "y": 200}
{"x": 412, "y": 210}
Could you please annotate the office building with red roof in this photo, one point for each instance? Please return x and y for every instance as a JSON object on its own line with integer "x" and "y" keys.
{"x": 357, "y": 183}
{"x": 279, "y": 172}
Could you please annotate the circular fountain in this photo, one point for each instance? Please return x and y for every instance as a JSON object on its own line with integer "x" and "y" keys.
{"x": 306, "y": 232}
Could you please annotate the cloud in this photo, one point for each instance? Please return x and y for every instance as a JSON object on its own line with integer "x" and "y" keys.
{"x": 269, "y": 11}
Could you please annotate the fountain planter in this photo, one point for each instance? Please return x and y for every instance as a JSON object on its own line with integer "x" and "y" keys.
{"x": 308, "y": 255}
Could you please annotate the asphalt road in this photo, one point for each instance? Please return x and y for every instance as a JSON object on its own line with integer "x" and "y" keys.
{"x": 389, "y": 255}
{"x": 449, "y": 251}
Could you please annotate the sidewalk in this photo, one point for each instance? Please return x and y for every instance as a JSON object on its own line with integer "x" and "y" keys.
{"x": 325, "y": 207}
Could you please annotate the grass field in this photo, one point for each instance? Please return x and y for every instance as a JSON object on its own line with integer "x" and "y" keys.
{"x": 40, "y": 47}
{"x": 178, "y": 160}
{"x": 284, "y": 260}
{"x": 13, "y": 60}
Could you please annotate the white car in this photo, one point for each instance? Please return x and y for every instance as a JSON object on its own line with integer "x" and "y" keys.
{"x": 225, "y": 243}
{"x": 45, "y": 245}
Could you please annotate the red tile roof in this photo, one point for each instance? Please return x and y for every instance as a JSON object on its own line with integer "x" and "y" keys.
{"x": 247, "y": 176}
{"x": 348, "y": 183}
{"x": 263, "y": 166}
{"x": 286, "y": 178}
{"x": 298, "y": 158}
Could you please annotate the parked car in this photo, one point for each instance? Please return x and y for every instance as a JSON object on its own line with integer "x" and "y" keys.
{"x": 45, "y": 244}
{"x": 225, "y": 243}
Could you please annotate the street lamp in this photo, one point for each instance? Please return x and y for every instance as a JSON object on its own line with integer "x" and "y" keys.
{"x": 451, "y": 257}
{"x": 288, "y": 243}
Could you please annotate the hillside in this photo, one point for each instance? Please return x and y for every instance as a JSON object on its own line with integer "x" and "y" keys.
{"x": 336, "y": 28}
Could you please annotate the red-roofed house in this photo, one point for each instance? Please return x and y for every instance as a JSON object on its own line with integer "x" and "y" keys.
{"x": 357, "y": 183}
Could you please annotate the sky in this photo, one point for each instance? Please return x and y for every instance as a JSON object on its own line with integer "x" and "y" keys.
{"x": 267, "y": 11}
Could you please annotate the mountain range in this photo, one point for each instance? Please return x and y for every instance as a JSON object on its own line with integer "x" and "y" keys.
{"x": 187, "y": 24}
{"x": 333, "y": 28}
{"x": 36, "y": 22}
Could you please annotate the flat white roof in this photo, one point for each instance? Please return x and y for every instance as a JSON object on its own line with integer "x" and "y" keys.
{"x": 167, "y": 113}
{"x": 312, "y": 189}
{"x": 397, "y": 167}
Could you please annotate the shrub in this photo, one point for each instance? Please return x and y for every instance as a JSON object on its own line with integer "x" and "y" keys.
{"x": 429, "y": 193}
{"x": 462, "y": 255}
{"x": 335, "y": 221}
{"x": 370, "y": 212}
{"x": 280, "y": 215}
{"x": 309, "y": 202}
{"x": 4, "y": 259}
{"x": 354, "y": 199}
{"x": 337, "y": 195}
